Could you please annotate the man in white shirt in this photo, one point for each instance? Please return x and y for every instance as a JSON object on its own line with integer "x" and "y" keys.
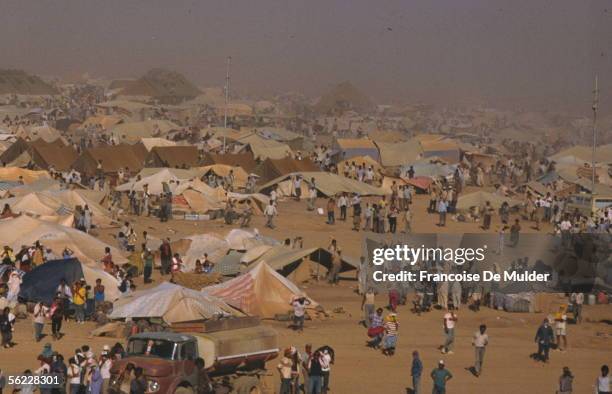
{"x": 325, "y": 361}
{"x": 270, "y": 212}
{"x": 561, "y": 328}
{"x": 480, "y": 342}
{"x": 38, "y": 318}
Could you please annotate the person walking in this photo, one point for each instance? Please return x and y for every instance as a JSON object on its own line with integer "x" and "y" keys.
{"x": 440, "y": 377}
{"x": 270, "y": 212}
{"x": 602, "y": 384}
{"x": 442, "y": 209}
{"x": 416, "y": 371}
{"x": 480, "y": 342}
{"x": 368, "y": 306}
{"x": 38, "y": 320}
{"x": 565, "y": 382}
{"x": 450, "y": 319}
{"x": 57, "y": 313}
{"x": 544, "y": 338}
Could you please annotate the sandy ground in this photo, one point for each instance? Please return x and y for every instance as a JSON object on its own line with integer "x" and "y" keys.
{"x": 358, "y": 369}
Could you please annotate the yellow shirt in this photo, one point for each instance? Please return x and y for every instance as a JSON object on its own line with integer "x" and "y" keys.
{"x": 79, "y": 296}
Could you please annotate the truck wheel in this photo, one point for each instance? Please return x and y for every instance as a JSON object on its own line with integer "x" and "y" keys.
{"x": 247, "y": 385}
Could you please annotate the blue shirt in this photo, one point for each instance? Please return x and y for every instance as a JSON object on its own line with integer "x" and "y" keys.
{"x": 417, "y": 367}
{"x": 439, "y": 377}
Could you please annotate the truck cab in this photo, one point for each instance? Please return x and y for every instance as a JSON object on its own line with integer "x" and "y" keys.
{"x": 235, "y": 356}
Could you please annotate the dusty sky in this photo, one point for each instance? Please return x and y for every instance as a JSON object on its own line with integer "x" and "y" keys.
{"x": 544, "y": 50}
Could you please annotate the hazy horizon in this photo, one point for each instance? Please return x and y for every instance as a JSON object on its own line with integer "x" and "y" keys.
{"x": 541, "y": 52}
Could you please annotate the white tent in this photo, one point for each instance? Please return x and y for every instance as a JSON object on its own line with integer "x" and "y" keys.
{"x": 172, "y": 303}
{"x": 155, "y": 182}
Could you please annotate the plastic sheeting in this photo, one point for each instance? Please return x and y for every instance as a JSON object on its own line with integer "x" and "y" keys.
{"x": 172, "y": 303}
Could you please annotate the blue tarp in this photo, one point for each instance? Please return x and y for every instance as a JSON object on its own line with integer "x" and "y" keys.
{"x": 41, "y": 283}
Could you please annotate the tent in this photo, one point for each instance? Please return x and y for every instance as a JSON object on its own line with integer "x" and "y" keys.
{"x": 284, "y": 260}
{"x": 155, "y": 182}
{"x": 328, "y": 184}
{"x": 113, "y": 158}
{"x": 243, "y": 160}
{"x": 223, "y": 170}
{"x": 41, "y": 283}
{"x": 150, "y": 143}
{"x": 398, "y": 154}
{"x": 58, "y": 206}
{"x": 427, "y": 168}
{"x": 173, "y": 156}
{"x": 353, "y": 147}
{"x": 271, "y": 169}
{"x": 261, "y": 291}
{"x": 172, "y": 303}
{"x": 263, "y": 149}
{"x": 27, "y": 176}
{"x": 479, "y": 198}
{"x": 24, "y": 230}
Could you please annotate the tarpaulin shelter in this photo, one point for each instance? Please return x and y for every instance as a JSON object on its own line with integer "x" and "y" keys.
{"x": 173, "y": 156}
{"x": 348, "y": 148}
{"x": 425, "y": 167}
{"x": 41, "y": 283}
{"x": 223, "y": 170}
{"x": 260, "y": 292}
{"x": 60, "y": 158}
{"x": 284, "y": 260}
{"x": 422, "y": 183}
{"x": 25, "y": 230}
{"x": 479, "y": 198}
{"x": 365, "y": 161}
{"x": 172, "y": 303}
{"x": 24, "y": 149}
{"x": 328, "y": 184}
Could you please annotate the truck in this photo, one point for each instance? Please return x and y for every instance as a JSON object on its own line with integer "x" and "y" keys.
{"x": 234, "y": 354}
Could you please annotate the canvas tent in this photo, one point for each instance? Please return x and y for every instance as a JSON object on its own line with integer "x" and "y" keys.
{"x": 398, "y": 154}
{"x": 155, "y": 182}
{"x": 113, "y": 158}
{"x": 26, "y": 176}
{"x": 24, "y": 230}
{"x": 260, "y": 292}
{"x": 270, "y": 169}
{"x": 173, "y": 156}
{"x": 327, "y": 184}
{"x": 172, "y": 303}
{"x": 348, "y": 148}
{"x": 243, "y": 160}
{"x": 58, "y": 206}
{"x": 41, "y": 283}
{"x": 479, "y": 198}
{"x": 365, "y": 161}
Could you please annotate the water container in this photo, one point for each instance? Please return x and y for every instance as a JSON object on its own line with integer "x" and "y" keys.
{"x": 591, "y": 299}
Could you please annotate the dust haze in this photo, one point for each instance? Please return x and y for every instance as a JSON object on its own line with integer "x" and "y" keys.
{"x": 542, "y": 53}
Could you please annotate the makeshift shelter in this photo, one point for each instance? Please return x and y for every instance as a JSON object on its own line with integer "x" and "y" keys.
{"x": 285, "y": 260}
{"x": 270, "y": 169}
{"x": 259, "y": 292}
{"x": 349, "y": 148}
{"x": 421, "y": 183}
{"x": 172, "y": 303}
{"x": 326, "y": 183}
{"x": 173, "y": 156}
{"x": 111, "y": 157}
{"x": 41, "y": 283}
{"x": 20, "y": 152}
{"x": 24, "y": 230}
{"x": 432, "y": 169}
{"x": 479, "y": 198}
